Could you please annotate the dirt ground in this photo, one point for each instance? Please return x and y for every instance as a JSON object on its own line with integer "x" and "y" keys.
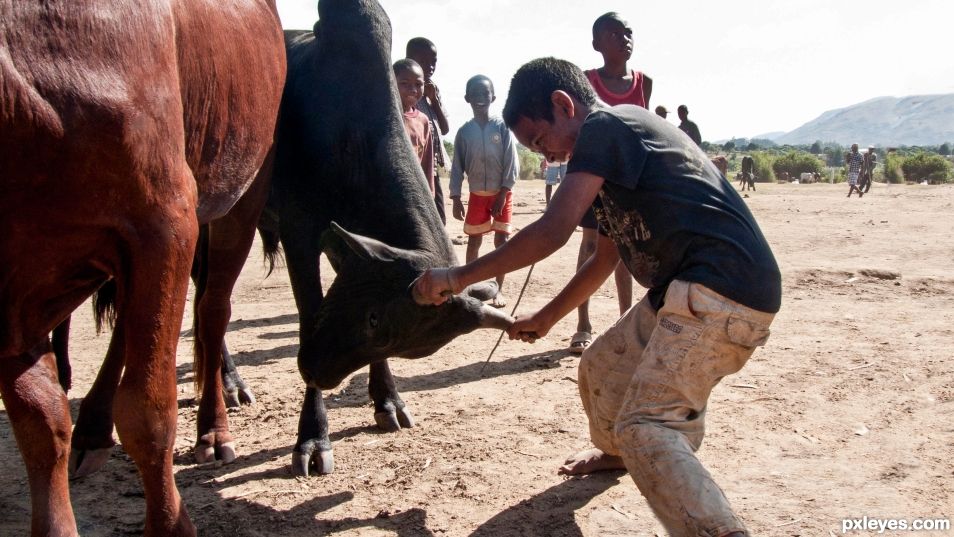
{"x": 848, "y": 411}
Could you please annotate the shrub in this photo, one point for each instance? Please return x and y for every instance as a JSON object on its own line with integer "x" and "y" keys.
{"x": 926, "y": 166}
{"x": 762, "y": 165}
{"x": 796, "y": 163}
{"x": 892, "y": 168}
{"x": 529, "y": 162}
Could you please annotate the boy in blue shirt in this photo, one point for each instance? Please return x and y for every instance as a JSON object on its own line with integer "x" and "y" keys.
{"x": 484, "y": 151}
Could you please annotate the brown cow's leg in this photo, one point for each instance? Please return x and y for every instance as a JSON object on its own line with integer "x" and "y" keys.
{"x": 39, "y": 413}
{"x": 390, "y": 412}
{"x": 229, "y": 241}
{"x": 93, "y": 434}
{"x": 151, "y": 302}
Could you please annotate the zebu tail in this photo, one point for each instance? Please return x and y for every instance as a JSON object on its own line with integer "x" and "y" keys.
{"x": 104, "y": 306}
{"x": 268, "y": 230}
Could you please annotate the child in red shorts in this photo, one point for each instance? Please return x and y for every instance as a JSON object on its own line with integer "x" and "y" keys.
{"x": 484, "y": 151}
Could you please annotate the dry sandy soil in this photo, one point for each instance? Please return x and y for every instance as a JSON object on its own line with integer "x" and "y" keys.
{"x": 847, "y": 412}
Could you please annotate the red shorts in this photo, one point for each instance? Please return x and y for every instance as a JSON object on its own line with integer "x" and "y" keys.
{"x": 479, "y": 219}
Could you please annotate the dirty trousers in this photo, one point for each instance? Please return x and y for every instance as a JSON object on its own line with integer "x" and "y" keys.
{"x": 645, "y": 383}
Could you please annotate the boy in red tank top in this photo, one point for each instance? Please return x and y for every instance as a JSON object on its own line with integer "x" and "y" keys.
{"x": 615, "y": 83}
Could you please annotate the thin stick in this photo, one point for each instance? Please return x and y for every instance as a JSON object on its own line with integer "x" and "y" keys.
{"x": 499, "y": 339}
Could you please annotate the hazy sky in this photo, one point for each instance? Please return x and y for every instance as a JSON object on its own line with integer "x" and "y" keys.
{"x": 743, "y": 67}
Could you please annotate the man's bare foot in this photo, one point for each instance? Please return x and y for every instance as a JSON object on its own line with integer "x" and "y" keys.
{"x": 589, "y": 461}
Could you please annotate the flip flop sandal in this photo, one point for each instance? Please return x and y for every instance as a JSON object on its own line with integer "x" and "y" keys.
{"x": 580, "y": 341}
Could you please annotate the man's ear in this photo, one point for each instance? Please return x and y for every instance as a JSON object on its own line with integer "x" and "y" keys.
{"x": 562, "y": 103}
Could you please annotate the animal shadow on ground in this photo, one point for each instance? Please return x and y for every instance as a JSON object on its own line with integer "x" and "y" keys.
{"x": 238, "y": 324}
{"x": 355, "y": 393}
{"x": 550, "y": 513}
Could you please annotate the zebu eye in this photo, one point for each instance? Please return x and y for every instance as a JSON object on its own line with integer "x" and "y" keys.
{"x": 373, "y": 320}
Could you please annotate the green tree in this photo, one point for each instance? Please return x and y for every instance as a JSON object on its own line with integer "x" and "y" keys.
{"x": 892, "y": 168}
{"x": 816, "y": 148}
{"x": 752, "y": 146}
{"x": 762, "y": 167}
{"x": 529, "y": 162}
{"x": 797, "y": 162}
{"x": 926, "y": 166}
{"x": 945, "y": 149}
{"x": 728, "y": 146}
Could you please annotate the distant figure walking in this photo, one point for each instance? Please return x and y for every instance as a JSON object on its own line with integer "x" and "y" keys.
{"x": 867, "y": 169}
{"x": 687, "y": 126}
{"x": 855, "y": 162}
{"x": 661, "y": 111}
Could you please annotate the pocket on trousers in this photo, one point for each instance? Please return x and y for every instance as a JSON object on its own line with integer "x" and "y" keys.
{"x": 747, "y": 333}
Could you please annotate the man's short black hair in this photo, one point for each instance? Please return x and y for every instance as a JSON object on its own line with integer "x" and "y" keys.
{"x": 476, "y": 79}
{"x": 532, "y": 85}
{"x": 406, "y": 65}
{"x": 418, "y": 43}
{"x": 603, "y": 19}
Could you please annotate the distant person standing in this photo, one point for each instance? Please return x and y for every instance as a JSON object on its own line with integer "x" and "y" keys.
{"x": 553, "y": 173}
{"x": 687, "y": 126}
{"x": 615, "y": 83}
{"x": 867, "y": 169}
{"x": 485, "y": 151}
{"x": 855, "y": 162}
{"x": 423, "y": 51}
{"x": 661, "y": 111}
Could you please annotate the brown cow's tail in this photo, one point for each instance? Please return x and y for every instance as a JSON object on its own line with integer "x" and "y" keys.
{"x": 268, "y": 230}
{"x": 104, "y": 306}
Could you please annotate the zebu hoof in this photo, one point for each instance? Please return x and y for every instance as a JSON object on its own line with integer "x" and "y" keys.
{"x": 239, "y": 397}
{"x": 393, "y": 421}
{"x": 304, "y": 462}
{"x": 235, "y": 391}
{"x": 84, "y": 462}
{"x": 207, "y": 450}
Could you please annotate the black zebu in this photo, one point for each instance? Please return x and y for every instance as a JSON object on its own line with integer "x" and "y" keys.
{"x": 343, "y": 158}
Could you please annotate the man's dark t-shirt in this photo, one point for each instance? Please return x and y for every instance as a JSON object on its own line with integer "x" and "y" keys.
{"x": 670, "y": 212}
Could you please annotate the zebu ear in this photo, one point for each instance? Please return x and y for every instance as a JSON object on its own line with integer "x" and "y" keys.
{"x": 337, "y": 243}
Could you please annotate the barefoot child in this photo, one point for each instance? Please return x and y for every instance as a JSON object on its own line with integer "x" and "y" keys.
{"x": 410, "y": 83}
{"x": 686, "y": 235}
{"x": 484, "y": 151}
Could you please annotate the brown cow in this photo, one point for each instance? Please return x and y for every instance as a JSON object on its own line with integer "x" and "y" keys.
{"x": 122, "y": 128}
{"x": 721, "y": 164}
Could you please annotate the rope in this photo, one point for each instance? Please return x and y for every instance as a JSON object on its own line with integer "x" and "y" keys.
{"x": 514, "y": 311}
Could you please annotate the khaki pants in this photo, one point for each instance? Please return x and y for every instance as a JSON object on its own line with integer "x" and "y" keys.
{"x": 645, "y": 383}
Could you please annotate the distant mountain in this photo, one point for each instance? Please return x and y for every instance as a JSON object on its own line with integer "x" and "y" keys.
{"x": 882, "y": 121}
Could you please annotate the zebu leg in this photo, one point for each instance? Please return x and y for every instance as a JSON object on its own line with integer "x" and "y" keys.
{"x": 93, "y": 434}
{"x": 39, "y": 413}
{"x": 312, "y": 450}
{"x": 313, "y": 447}
{"x": 390, "y": 412}
{"x": 150, "y": 304}
{"x": 229, "y": 241}
{"x": 61, "y": 348}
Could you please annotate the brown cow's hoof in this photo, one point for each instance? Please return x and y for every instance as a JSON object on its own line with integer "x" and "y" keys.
{"x": 85, "y": 462}
{"x": 210, "y": 453}
{"x": 304, "y": 463}
{"x": 390, "y": 422}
